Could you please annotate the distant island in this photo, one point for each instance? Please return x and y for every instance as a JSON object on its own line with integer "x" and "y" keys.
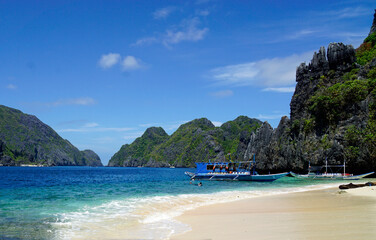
{"x": 26, "y": 141}
{"x": 333, "y": 117}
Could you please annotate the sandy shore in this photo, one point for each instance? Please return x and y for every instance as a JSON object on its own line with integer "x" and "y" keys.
{"x": 321, "y": 214}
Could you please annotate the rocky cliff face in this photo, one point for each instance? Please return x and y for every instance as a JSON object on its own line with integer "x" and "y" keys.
{"x": 24, "y": 139}
{"x": 340, "y": 59}
{"x": 332, "y": 113}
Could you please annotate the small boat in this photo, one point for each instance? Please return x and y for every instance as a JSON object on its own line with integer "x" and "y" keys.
{"x": 315, "y": 172}
{"x": 236, "y": 171}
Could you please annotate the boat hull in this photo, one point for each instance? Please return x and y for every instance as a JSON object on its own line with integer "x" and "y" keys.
{"x": 329, "y": 177}
{"x": 235, "y": 177}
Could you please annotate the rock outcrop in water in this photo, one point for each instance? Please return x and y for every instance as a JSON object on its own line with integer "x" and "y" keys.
{"x": 24, "y": 139}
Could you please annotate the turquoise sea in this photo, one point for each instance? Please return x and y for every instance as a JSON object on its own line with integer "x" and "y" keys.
{"x": 114, "y": 203}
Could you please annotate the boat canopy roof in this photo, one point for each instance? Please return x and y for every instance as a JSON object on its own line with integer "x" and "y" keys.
{"x": 223, "y": 163}
{"x": 319, "y": 168}
{"x": 323, "y": 166}
{"x": 243, "y": 166}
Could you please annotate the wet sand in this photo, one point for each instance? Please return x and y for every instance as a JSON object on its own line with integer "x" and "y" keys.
{"x": 320, "y": 214}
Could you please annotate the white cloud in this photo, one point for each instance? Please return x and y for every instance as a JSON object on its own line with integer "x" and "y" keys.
{"x": 222, "y": 94}
{"x": 300, "y": 34}
{"x": 130, "y": 63}
{"x": 217, "y": 124}
{"x": 90, "y": 125}
{"x": 145, "y": 41}
{"x": 348, "y": 12}
{"x": 281, "y": 89}
{"x": 11, "y": 86}
{"x": 163, "y": 12}
{"x": 189, "y": 31}
{"x": 109, "y": 60}
{"x": 303, "y": 33}
{"x": 73, "y": 101}
{"x": 275, "y": 72}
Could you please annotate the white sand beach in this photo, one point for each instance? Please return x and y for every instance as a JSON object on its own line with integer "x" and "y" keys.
{"x": 320, "y": 214}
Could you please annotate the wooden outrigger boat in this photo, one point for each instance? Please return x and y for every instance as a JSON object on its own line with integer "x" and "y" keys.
{"x": 236, "y": 171}
{"x": 315, "y": 172}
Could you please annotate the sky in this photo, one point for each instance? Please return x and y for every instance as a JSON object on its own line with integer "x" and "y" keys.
{"x": 101, "y": 72}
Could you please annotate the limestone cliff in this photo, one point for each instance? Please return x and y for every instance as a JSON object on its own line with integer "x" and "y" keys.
{"x": 332, "y": 114}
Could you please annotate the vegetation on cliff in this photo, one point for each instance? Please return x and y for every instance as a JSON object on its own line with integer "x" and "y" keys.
{"x": 333, "y": 113}
{"x": 24, "y": 139}
{"x": 367, "y": 51}
{"x": 353, "y": 91}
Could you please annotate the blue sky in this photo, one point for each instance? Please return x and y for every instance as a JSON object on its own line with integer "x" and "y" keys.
{"x": 101, "y": 72}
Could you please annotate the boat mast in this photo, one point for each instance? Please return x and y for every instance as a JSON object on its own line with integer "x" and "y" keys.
{"x": 309, "y": 167}
{"x": 344, "y": 167}
{"x": 254, "y": 164}
{"x": 326, "y": 164}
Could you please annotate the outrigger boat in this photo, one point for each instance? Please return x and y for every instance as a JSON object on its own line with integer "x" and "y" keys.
{"x": 315, "y": 172}
{"x": 237, "y": 171}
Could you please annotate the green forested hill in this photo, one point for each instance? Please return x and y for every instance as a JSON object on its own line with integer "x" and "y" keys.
{"x": 136, "y": 154}
{"x": 24, "y": 139}
{"x": 197, "y": 140}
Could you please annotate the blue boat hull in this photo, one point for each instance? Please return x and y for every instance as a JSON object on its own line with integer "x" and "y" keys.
{"x": 236, "y": 177}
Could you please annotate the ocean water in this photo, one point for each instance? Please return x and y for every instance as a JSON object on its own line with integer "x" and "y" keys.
{"x": 114, "y": 203}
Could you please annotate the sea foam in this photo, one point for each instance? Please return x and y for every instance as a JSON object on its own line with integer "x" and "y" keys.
{"x": 149, "y": 217}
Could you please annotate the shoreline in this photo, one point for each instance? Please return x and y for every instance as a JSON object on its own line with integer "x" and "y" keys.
{"x": 328, "y": 213}
{"x": 158, "y": 217}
